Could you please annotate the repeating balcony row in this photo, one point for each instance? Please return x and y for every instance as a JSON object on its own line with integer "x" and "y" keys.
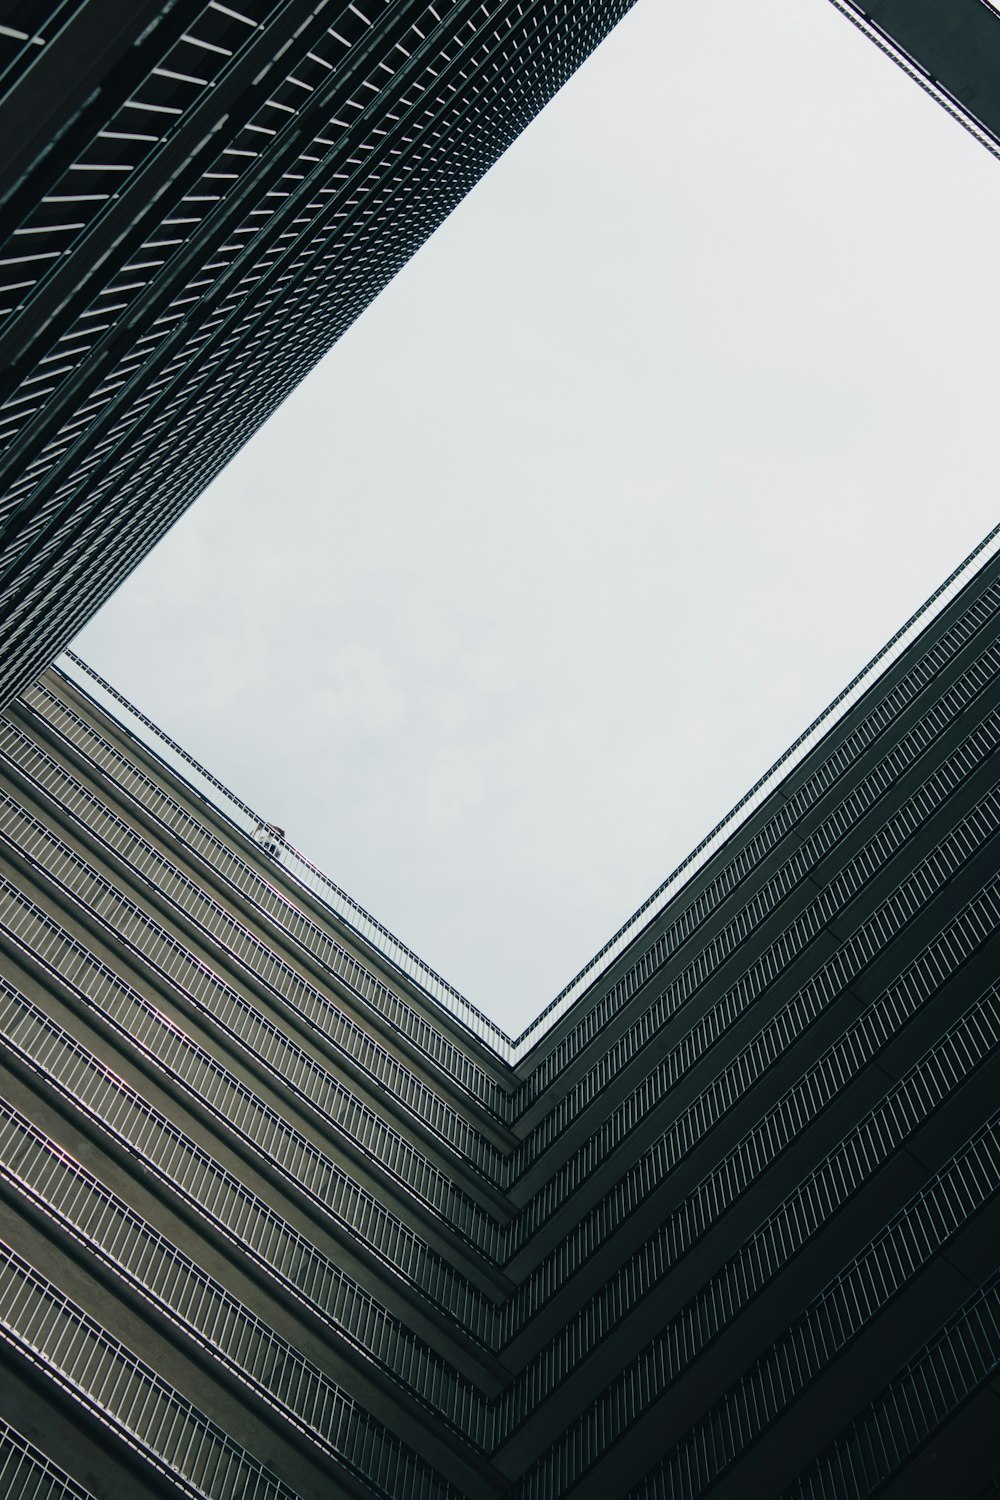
{"x": 101, "y": 1375}
{"x": 908, "y": 1411}
{"x": 807, "y": 1348}
{"x": 248, "y": 1226}
{"x": 267, "y": 1047}
{"x": 278, "y": 1149}
{"x": 72, "y": 1198}
{"x": 964, "y": 1048}
{"x": 26, "y": 1472}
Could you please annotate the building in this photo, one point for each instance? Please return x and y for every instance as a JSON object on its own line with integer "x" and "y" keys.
{"x": 197, "y": 199}
{"x": 280, "y": 1218}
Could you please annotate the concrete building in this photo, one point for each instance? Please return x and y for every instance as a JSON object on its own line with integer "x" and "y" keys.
{"x": 282, "y": 1218}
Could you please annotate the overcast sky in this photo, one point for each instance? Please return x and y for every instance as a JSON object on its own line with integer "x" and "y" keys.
{"x": 639, "y": 460}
